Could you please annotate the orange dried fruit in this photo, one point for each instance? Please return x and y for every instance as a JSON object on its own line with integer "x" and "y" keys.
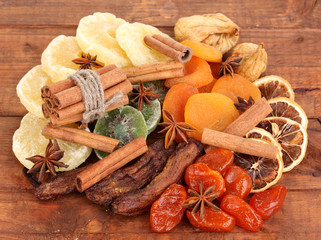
{"x": 209, "y": 110}
{"x": 207, "y": 88}
{"x": 204, "y": 51}
{"x": 215, "y": 68}
{"x": 175, "y": 101}
{"x": 197, "y": 73}
{"x": 236, "y": 86}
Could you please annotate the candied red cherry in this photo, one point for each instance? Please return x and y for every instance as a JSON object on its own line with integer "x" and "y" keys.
{"x": 200, "y": 172}
{"x": 245, "y": 216}
{"x": 167, "y": 211}
{"x": 268, "y": 202}
{"x": 212, "y": 221}
{"x": 219, "y": 160}
{"x": 238, "y": 182}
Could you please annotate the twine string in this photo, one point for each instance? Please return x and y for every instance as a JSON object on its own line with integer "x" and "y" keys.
{"x": 93, "y": 94}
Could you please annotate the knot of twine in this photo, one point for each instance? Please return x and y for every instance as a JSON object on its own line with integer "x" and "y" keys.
{"x": 93, "y": 94}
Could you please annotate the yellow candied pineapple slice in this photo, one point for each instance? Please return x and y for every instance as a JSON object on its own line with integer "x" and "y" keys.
{"x": 29, "y": 89}
{"x": 57, "y": 58}
{"x": 96, "y": 34}
{"x": 28, "y": 141}
{"x": 130, "y": 37}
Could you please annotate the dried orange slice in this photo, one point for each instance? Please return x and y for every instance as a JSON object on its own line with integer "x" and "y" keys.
{"x": 291, "y": 136}
{"x": 264, "y": 172}
{"x": 274, "y": 86}
{"x": 285, "y": 107}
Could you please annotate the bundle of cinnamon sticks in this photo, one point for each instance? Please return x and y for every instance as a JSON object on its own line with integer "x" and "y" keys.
{"x": 63, "y": 101}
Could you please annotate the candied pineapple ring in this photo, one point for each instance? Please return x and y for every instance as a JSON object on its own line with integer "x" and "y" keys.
{"x": 28, "y": 141}
{"x": 28, "y": 90}
{"x": 57, "y": 58}
{"x": 96, "y": 34}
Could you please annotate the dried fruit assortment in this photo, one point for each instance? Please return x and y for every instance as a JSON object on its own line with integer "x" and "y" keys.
{"x": 135, "y": 86}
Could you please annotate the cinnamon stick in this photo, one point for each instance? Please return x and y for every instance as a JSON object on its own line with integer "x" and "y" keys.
{"x": 178, "y": 72}
{"x": 239, "y": 144}
{"x": 51, "y": 89}
{"x": 78, "y": 117}
{"x": 82, "y": 137}
{"x": 169, "y": 47}
{"x": 123, "y": 87}
{"x": 247, "y": 121}
{"x": 45, "y": 111}
{"x": 73, "y": 95}
{"x": 109, "y": 164}
{"x": 152, "y": 68}
{"x": 49, "y": 104}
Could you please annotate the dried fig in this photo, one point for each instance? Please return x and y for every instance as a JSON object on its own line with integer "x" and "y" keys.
{"x": 216, "y": 30}
{"x": 254, "y": 60}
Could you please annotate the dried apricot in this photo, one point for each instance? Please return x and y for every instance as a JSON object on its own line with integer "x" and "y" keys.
{"x": 197, "y": 73}
{"x": 176, "y": 98}
{"x": 215, "y": 69}
{"x": 175, "y": 101}
{"x": 236, "y": 86}
{"x": 207, "y": 88}
{"x": 209, "y": 110}
{"x": 204, "y": 51}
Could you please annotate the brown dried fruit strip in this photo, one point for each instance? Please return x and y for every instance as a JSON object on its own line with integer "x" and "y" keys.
{"x": 133, "y": 177}
{"x": 139, "y": 201}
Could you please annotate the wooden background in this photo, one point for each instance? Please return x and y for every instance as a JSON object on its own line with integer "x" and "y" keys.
{"x": 291, "y": 32}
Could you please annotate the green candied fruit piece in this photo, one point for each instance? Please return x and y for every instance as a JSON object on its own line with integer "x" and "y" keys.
{"x": 152, "y": 114}
{"x": 124, "y": 123}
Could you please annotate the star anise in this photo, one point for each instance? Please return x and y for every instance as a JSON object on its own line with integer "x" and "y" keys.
{"x": 244, "y": 104}
{"x": 87, "y": 62}
{"x": 228, "y": 66}
{"x": 173, "y": 128}
{"x": 142, "y": 95}
{"x": 197, "y": 201}
{"x": 51, "y": 159}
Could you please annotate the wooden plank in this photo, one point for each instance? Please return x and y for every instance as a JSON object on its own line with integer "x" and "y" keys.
{"x": 306, "y": 176}
{"x": 248, "y": 14}
{"x": 310, "y": 101}
{"x": 294, "y": 63}
{"x": 21, "y": 213}
{"x": 164, "y": 236}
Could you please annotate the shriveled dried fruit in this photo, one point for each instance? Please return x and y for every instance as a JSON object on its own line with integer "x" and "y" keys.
{"x": 254, "y": 60}
{"x": 216, "y": 30}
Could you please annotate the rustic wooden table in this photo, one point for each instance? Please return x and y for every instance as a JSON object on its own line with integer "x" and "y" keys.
{"x": 291, "y": 32}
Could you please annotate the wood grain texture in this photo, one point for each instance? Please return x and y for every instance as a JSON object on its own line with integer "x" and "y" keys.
{"x": 21, "y": 214}
{"x": 291, "y": 32}
{"x": 259, "y": 13}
